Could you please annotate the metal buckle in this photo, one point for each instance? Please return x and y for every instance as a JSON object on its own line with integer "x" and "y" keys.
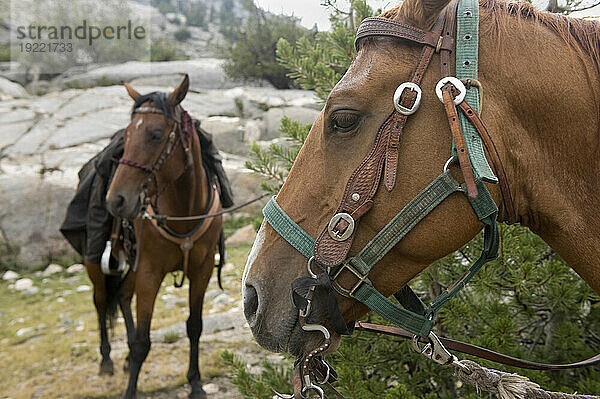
{"x": 462, "y": 91}
{"x": 105, "y": 260}
{"x": 337, "y": 235}
{"x": 343, "y": 291}
{"x": 398, "y": 94}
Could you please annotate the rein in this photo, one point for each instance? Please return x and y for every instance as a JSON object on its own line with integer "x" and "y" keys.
{"x": 471, "y": 140}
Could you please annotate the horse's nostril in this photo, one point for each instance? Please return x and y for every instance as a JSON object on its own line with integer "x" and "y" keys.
{"x": 119, "y": 201}
{"x": 250, "y": 302}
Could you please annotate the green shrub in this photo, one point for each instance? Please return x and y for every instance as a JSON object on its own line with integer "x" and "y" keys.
{"x": 182, "y": 35}
{"x": 164, "y": 6}
{"x": 197, "y": 15}
{"x": 175, "y": 21}
{"x": 165, "y": 50}
{"x": 4, "y": 53}
{"x": 252, "y": 47}
{"x": 9, "y": 257}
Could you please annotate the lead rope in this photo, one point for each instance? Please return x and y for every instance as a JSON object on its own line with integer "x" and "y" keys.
{"x": 507, "y": 385}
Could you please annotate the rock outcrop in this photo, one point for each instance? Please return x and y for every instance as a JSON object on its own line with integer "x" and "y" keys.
{"x": 45, "y": 140}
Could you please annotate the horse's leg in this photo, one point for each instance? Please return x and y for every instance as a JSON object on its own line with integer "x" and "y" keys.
{"x": 125, "y": 304}
{"x": 199, "y": 278}
{"x": 100, "y": 301}
{"x": 147, "y": 284}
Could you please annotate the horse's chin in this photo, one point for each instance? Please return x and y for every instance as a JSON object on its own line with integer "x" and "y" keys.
{"x": 289, "y": 337}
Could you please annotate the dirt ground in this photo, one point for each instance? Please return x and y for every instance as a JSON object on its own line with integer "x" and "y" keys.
{"x": 49, "y": 340}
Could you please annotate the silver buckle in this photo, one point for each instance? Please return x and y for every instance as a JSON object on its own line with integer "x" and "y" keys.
{"x": 398, "y": 94}
{"x": 338, "y": 235}
{"x": 462, "y": 91}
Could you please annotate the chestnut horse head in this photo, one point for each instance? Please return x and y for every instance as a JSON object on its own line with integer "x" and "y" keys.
{"x": 541, "y": 99}
{"x": 152, "y": 157}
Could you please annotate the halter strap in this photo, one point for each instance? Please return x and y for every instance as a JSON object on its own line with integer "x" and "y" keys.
{"x": 184, "y": 122}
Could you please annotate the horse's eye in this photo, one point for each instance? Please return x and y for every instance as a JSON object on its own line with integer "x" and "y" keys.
{"x": 156, "y": 135}
{"x": 344, "y": 121}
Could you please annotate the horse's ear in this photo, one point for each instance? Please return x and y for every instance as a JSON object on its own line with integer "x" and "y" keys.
{"x": 179, "y": 93}
{"x": 133, "y": 93}
{"x": 421, "y": 13}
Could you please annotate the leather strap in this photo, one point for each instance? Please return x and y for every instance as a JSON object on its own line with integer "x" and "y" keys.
{"x": 378, "y": 26}
{"x": 453, "y": 120}
{"x": 467, "y": 61}
{"x": 459, "y": 140}
{"x": 478, "y": 351}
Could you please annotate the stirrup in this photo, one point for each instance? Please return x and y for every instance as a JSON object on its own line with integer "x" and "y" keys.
{"x": 105, "y": 261}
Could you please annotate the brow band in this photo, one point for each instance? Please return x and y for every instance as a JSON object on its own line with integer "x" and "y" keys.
{"x": 148, "y": 110}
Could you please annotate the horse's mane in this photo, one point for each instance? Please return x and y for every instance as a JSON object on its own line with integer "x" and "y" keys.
{"x": 159, "y": 99}
{"x": 582, "y": 35}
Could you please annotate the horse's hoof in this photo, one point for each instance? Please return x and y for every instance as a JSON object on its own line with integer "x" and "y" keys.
{"x": 198, "y": 393}
{"x": 106, "y": 368}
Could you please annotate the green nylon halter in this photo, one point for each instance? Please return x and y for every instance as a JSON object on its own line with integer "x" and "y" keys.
{"x": 413, "y": 315}
{"x": 467, "y": 47}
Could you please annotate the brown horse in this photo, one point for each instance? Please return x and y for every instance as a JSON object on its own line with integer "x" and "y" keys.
{"x": 162, "y": 162}
{"x": 540, "y": 74}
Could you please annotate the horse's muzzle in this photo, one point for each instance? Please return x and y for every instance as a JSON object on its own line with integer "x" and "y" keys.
{"x": 119, "y": 206}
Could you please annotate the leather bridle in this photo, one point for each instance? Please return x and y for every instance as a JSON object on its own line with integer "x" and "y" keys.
{"x": 330, "y": 250}
{"x": 181, "y": 131}
{"x": 178, "y": 135}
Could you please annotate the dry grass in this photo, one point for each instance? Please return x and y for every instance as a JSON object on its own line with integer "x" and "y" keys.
{"x": 59, "y": 358}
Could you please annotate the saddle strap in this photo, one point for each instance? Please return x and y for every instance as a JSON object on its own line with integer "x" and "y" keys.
{"x": 478, "y": 351}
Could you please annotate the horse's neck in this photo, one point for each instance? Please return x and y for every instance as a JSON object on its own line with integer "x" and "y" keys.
{"x": 189, "y": 194}
{"x": 544, "y": 112}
